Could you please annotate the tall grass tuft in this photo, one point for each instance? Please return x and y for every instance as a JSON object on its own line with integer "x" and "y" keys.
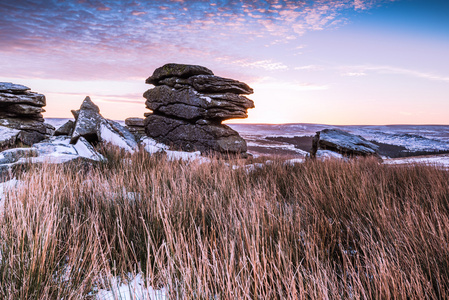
{"x": 317, "y": 230}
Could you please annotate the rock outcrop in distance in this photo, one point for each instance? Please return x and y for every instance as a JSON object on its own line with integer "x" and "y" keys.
{"x": 343, "y": 142}
{"x": 21, "y": 119}
{"x": 189, "y": 103}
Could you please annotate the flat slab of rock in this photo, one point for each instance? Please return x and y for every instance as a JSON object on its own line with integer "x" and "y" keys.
{"x": 28, "y": 125}
{"x": 135, "y": 122}
{"x": 8, "y": 87}
{"x": 215, "y": 84}
{"x": 22, "y": 110}
{"x": 34, "y": 99}
{"x": 205, "y": 137}
{"x": 177, "y": 70}
{"x": 343, "y": 142}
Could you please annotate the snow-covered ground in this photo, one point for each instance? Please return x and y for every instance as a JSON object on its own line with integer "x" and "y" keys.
{"x": 4, "y": 187}
{"x": 266, "y": 139}
{"x": 133, "y": 290}
{"x": 413, "y": 137}
{"x": 437, "y": 160}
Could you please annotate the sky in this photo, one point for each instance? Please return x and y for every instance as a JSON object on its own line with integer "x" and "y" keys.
{"x": 347, "y": 62}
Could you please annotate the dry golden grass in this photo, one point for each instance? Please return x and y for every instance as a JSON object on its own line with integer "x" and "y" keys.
{"x": 318, "y": 230}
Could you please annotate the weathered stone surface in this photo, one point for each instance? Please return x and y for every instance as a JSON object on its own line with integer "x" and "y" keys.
{"x": 88, "y": 122}
{"x": 13, "y": 155}
{"x": 8, "y": 87}
{"x": 177, "y": 70}
{"x": 29, "y": 138}
{"x": 28, "y": 125}
{"x": 191, "y": 105}
{"x": 65, "y": 129}
{"x": 215, "y": 84}
{"x": 175, "y": 82}
{"x": 53, "y": 150}
{"x": 135, "y": 122}
{"x": 194, "y": 137}
{"x": 343, "y": 142}
{"x": 26, "y": 98}
{"x": 8, "y": 136}
{"x": 22, "y": 109}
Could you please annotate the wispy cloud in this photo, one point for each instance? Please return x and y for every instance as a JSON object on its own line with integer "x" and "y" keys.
{"x": 364, "y": 70}
{"x": 113, "y": 39}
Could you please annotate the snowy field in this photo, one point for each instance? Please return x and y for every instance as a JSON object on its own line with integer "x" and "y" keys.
{"x": 412, "y": 137}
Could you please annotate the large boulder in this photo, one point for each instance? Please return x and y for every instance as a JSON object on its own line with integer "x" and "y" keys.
{"x": 189, "y": 103}
{"x": 202, "y": 136}
{"x": 343, "y": 142}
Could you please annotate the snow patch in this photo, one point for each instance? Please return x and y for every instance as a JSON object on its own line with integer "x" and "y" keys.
{"x": 4, "y": 187}
{"x": 327, "y": 154}
{"x": 437, "y": 160}
{"x": 151, "y": 146}
{"x": 294, "y": 161}
{"x": 108, "y": 135}
{"x": 133, "y": 290}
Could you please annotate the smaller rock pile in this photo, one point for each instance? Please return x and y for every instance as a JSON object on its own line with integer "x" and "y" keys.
{"x": 92, "y": 126}
{"x": 136, "y": 126}
{"x": 189, "y": 103}
{"x": 343, "y": 142}
{"x": 21, "y": 114}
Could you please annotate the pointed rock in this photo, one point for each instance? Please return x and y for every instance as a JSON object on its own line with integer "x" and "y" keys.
{"x": 88, "y": 122}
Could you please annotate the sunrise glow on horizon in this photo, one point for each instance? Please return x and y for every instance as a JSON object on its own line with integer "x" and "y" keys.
{"x": 364, "y": 62}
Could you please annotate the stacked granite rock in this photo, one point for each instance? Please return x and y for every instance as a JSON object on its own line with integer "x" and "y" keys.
{"x": 189, "y": 103}
{"x": 22, "y": 110}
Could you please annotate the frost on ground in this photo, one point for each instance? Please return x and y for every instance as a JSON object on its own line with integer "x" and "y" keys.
{"x": 4, "y": 187}
{"x": 133, "y": 290}
{"x": 437, "y": 160}
{"x": 151, "y": 146}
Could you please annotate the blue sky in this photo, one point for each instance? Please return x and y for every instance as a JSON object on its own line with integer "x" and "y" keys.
{"x": 327, "y": 61}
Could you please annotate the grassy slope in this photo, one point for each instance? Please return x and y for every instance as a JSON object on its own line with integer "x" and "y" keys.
{"x": 312, "y": 231}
